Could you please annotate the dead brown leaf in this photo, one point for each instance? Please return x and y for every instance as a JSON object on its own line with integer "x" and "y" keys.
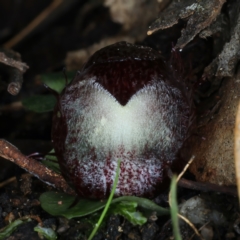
{"x": 214, "y": 144}
{"x": 200, "y": 15}
{"x": 237, "y": 149}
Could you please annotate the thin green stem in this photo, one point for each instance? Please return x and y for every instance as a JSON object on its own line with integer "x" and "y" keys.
{"x": 107, "y": 204}
{"x": 174, "y": 208}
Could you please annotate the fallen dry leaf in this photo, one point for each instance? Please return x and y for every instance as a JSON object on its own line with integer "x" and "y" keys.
{"x": 200, "y": 15}
{"x": 237, "y": 149}
{"x": 213, "y": 146}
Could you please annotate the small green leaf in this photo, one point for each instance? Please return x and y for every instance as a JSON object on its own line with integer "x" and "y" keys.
{"x": 57, "y": 81}
{"x": 40, "y": 103}
{"x": 174, "y": 209}
{"x": 51, "y": 156}
{"x": 57, "y": 204}
{"x": 51, "y": 162}
{"x": 10, "y": 228}
{"x": 48, "y": 233}
{"x": 145, "y": 204}
{"x": 52, "y": 165}
{"x": 129, "y": 211}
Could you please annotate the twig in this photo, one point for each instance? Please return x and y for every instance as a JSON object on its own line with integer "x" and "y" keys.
{"x": 206, "y": 187}
{"x": 16, "y": 72}
{"x": 10, "y": 152}
{"x": 14, "y": 106}
{"x": 44, "y": 14}
{"x": 170, "y": 175}
{"x": 21, "y": 66}
{"x": 200, "y": 186}
{"x": 237, "y": 149}
{"x": 16, "y": 82}
{"x": 34, "y": 217}
{"x": 185, "y": 168}
{"x": 190, "y": 224}
{"x": 204, "y": 225}
{"x": 10, "y": 180}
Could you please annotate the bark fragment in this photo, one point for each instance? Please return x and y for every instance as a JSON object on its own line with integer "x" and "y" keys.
{"x": 18, "y": 68}
{"x": 200, "y": 14}
{"x": 213, "y": 144}
{"x": 10, "y": 152}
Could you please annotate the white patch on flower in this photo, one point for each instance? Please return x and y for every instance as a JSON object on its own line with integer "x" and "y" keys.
{"x": 106, "y": 126}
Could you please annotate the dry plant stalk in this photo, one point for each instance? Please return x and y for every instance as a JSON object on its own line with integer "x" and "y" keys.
{"x": 29, "y": 28}
{"x": 46, "y": 175}
{"x": 21, "y": 66}
{"x": 237, "y": 149}
{"x": 17, "y": 69}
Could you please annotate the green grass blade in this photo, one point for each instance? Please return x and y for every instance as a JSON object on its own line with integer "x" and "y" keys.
{"x": 174, "y": 209}
{"x": 108, "y": 203}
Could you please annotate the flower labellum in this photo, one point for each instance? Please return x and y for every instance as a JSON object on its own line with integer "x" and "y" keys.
{"x": 125, "y": 104}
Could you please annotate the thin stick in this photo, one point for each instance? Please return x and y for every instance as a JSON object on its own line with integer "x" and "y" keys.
{"x": 108, "y": 202}
{"x": 170, "y": 174}
{"x": 190, "y": 224}
{"x": 14, "y": 106}
{"x": 21, "y": 66}
{"x": 44, "y": 14}
{"x": 237, "y": 149}
{"x": 34, "y": 217}
{"x": 185, "y": 168}
{"x": 46, "y": 175}
{"x": 13, "y": 59}
{"x": 10, "y": 180}
{"x": 207, "y": 187}
{"x": 204, "y": 187}
{"x": 204, "y": 225}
